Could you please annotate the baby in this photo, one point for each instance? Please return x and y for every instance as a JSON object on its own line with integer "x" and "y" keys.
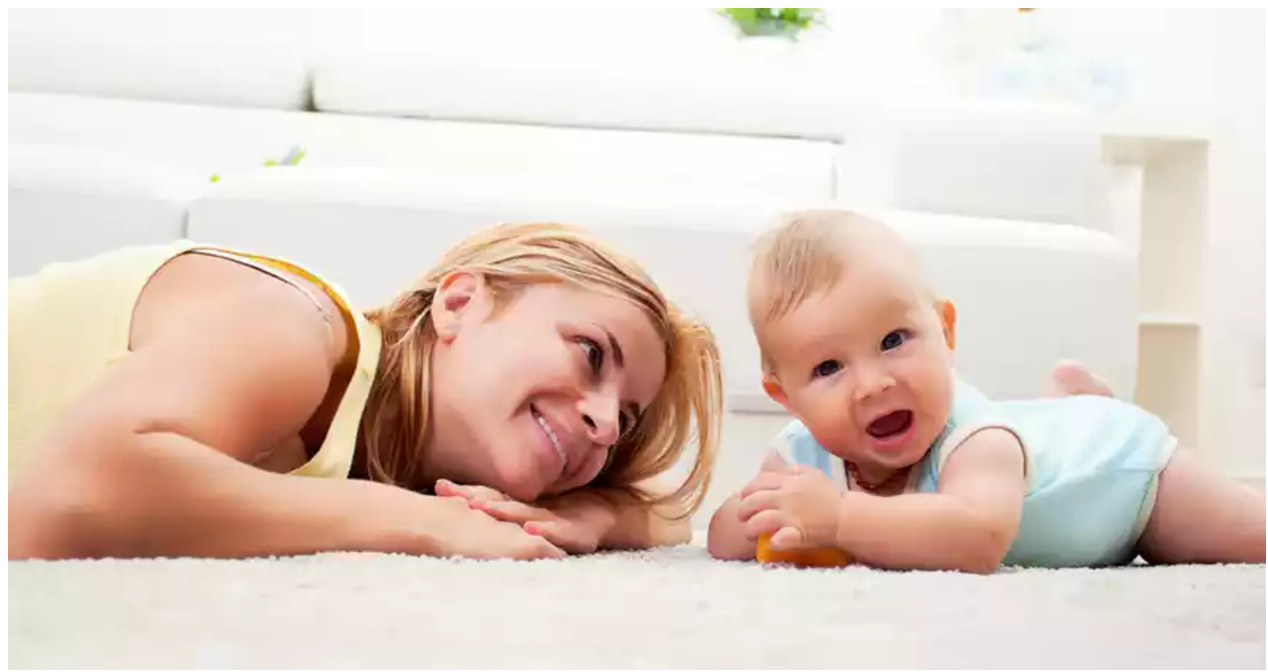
{"x": 897, "y": 463}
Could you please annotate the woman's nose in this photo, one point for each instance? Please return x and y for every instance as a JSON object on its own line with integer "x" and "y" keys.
{"x": 600, "y": 410}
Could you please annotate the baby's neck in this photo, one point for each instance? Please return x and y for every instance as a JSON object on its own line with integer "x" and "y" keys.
{"x": 878, "y": 480}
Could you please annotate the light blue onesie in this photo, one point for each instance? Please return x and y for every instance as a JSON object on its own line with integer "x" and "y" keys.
{"x": 1092, "y": 466}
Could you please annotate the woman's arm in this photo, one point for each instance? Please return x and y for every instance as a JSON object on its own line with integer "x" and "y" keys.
{"x": 163, "y": 495}
{"x": 155, "y": 459}
{"x": 630, "y": 524}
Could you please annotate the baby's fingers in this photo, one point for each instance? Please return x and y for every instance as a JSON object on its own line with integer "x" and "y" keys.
{"x": 787, "y": 539}
{"x": 760, "y": 501}
{"x": 765, "y": 522}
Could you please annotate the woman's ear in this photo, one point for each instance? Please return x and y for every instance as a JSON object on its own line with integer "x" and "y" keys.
{"x": 461, "y": 298}
{"x": 946, "y": 312}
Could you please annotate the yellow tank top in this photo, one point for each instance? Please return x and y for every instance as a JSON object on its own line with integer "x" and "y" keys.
{"x": 70, "y": 322}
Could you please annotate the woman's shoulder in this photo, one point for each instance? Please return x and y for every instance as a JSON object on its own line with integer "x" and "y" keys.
{"x": 249, "y": 293}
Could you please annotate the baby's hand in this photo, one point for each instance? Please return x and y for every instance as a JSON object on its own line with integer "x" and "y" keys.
{"x": 798, "y": 507}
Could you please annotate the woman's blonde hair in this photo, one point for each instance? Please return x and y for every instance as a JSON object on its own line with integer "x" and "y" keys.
{"x": 510, "y": 257}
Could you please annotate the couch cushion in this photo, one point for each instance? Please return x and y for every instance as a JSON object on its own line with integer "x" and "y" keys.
{"x": 686, "y": 72}
{"x": 65, "y": 204}
{"x": 225, "y": 141}
{"x": 1039, "y": 162}
{"x": 195, "y": 56}
{"x": 1028, "y": 293}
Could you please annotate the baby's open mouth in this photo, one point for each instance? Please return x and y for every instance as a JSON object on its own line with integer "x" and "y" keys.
{"x": 890, "y": 424}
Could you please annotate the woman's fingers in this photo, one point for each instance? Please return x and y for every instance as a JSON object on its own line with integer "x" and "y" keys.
{"x": 570, "y": 536}
{"x": 447, "y": 488}
{"x": 540, "y": 548}
{"x": 512, "y": 512}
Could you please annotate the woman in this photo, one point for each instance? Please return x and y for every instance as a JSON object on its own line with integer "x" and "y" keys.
{"x": 193, "y": 401}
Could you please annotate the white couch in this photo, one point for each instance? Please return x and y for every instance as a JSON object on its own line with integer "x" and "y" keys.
{"x": 117, "y": 121}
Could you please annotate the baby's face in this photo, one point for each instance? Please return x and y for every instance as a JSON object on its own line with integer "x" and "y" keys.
{"x": 866, "y": 366}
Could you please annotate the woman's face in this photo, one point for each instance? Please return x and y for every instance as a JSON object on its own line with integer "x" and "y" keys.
{"x": 528, "y": 399}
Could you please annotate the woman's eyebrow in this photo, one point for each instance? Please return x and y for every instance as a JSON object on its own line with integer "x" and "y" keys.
{"x": 618, "y": 355}
{"x": 618, "y": 358}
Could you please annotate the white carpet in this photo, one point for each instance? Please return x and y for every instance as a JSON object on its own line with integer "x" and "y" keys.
{"x": 667, "y": 608}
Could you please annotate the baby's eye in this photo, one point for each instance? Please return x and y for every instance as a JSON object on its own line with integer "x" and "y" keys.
{"x": 894, "y": 339}
{"x": 827, "y": 368}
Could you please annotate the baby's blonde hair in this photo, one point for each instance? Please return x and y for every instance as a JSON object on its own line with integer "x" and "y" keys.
{"x": 511, "y": 257}
{"x": 805, "y": 253}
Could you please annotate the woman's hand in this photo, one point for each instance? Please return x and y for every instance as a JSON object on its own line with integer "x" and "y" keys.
{"x": 447, "y": 488}
{"x": 473, "y": 533}
{"x": 575, "y": 522}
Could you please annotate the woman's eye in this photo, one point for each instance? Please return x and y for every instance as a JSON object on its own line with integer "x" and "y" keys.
{"x": 827, "y": 368}
{"x": 893, "y": 339}
{"x": 593, "y": 353}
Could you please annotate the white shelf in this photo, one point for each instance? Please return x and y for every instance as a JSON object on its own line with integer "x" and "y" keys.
{"x": 748, "y": 402}
{"x": 1169, "y": 320}
{"x": 1157, "y": 180}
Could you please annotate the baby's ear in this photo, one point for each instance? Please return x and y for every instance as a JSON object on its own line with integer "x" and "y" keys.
{"x": 774, "y": 390}
{"x": 946, "y": 313}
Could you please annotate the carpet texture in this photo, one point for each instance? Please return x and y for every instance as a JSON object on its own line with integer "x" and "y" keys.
{"x": 664, "y": 608}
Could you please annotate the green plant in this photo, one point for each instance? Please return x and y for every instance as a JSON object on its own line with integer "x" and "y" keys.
{"x": 292, "y": 158}
{"x": 788, "y": 22}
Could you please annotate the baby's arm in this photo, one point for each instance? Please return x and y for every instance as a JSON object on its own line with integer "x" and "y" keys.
{"x": 727, "y": 540}
{"x": 968, "y": 525}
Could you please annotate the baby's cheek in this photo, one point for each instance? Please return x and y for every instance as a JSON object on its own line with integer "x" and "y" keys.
{"x": 833, "y": 432}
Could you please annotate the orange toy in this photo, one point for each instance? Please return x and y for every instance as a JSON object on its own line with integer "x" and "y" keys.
{"x": 808, "y": 557}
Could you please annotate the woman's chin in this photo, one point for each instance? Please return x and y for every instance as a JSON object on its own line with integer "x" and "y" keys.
{"x": 520, "y": 482}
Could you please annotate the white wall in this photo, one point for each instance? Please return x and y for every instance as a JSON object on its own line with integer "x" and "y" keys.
{"x": 1234, "y": 317}
{"x": 1207, "y": 68}
{"x": 1200, "y": 69}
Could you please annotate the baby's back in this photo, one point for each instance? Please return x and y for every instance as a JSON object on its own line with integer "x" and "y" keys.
{"x": 1093, "y": 466}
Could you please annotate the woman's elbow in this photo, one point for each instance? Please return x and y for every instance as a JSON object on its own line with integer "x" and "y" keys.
{"x": 50, "y": 520}
{"x": 60, "y": 508}
{"x": 677, "y": 533}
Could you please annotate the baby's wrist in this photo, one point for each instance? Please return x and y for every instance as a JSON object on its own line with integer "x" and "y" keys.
{"x": 847, "y": 519}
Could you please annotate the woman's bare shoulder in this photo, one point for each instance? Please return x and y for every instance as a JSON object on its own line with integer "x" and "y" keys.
{"x": 193, "y": 284}
{"x": 227, "y": 355}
